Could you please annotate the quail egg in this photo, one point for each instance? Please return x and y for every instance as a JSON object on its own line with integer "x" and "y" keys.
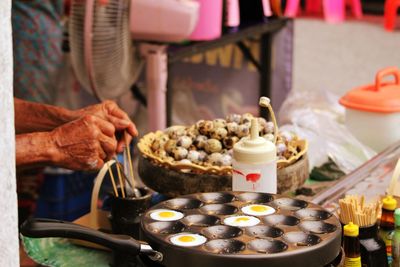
{"x": 200, "y": 141}
{"x": 194, "y": 156}
{"x": 230, "y": 141}
{"x": 281, "y": 148}
{"x": 233, "y": 118}
{"x": 204, "y": 127}
{"x": 213, "y": 145}
{"x": 180, "y": 153}
{"x": 246, "y": 118}
{"x": 170, "y": 145}
{"x": 215, "y": 159}
{"x": 219, "y": 133}
{"x": 258, "y": 210}
{"x": 243, "y": 130}
{"x": 269, "y": 127}
{"x": 232, "y": 128}
{"x": 188, "y": 240}
{"x": 241, "y": 221}
{"x": 175, "y": 131}
{"x": 269, "y": 137}
{"x": 166, "y": 215}
{"x": 184, "y": 141}
{"x": 219, "y": 123}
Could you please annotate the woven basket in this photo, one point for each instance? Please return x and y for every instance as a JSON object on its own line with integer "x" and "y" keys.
{"x": 145, "y": 142}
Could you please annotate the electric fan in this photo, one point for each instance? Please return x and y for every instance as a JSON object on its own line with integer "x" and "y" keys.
{"x": 109, "y": 45}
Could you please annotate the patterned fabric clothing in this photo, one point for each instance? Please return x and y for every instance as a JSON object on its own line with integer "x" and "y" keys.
{"x": 37, "y": 40}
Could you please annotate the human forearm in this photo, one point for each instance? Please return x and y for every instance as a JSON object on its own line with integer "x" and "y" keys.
{"x": 31, "y": 117}
{"x": 34, "y": 149}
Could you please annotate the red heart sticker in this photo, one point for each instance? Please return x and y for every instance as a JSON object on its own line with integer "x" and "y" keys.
{"x": 253, "y": 177}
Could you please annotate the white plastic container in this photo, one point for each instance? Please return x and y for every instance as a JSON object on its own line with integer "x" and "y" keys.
{"x": 373, "y": 111}
{"x": 254, "y": 161}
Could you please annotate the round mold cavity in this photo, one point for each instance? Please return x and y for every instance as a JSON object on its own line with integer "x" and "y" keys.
{"x": 219, "y": 209}
{"x": 166, "y": 228}
{"x": 279, "y": 219}
{"x": 290, "y": 203}
{"x": 222, "y": 232}
{"x": 317, "y": 227}
{"x": 183, "y": 203}
{"x": 313, "y": 214}
{"x": 267, "y": 246}
{"x": 255, "y": 198}
{"x": 264, "y": 231}
{"x": 216, "y": 198}
{"x": 200, "y": 220}
{"x": 301, "y": 239}
{"x": 225, "y": 246}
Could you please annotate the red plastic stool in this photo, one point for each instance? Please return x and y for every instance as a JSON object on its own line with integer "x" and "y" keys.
{"x": 391, "y": 7}
{"x": 314, "y": 6}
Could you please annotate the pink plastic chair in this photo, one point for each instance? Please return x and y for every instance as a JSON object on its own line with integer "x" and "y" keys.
{"x": 333, "y": 9}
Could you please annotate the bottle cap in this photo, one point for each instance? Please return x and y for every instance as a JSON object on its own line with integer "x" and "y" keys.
{"x": 254, "y": 149}
{"x": 397, "y": 217}
{"x": 351, "y": 229}
{"x": 389, "y": 203}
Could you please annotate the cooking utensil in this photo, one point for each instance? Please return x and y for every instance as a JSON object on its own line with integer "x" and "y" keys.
{"x": 297, "y": 234}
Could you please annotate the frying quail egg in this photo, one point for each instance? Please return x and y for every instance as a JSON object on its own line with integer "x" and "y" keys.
{"x": 241, "y": 221}
{"x": 188, "y": 240}
{"x": 258, "y": 210}
{"x": 166, "y": 215}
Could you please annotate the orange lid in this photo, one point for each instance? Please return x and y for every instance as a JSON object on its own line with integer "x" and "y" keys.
{"x": 381, "y": 97}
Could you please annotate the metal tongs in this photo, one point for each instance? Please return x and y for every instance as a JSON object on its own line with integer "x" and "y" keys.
{"x": 128, "y": 167}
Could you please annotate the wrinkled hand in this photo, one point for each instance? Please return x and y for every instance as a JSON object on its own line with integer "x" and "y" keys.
{"x": 84, "y": 144}
{"x": 109, "y": 110}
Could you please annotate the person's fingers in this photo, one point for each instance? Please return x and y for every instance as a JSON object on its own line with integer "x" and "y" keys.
{"x": 113, "y": 109}
{"x": 121, "y": 145}
{"x": 99, "y": 164}
{"x": 108, "y": 145}
{"x": 100, "y": 152}
{"x": 123, "y": 124}
{"x": 105, "y": 127}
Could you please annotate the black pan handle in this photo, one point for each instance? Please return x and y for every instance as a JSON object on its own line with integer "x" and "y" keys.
{"x": 53, "y": 228}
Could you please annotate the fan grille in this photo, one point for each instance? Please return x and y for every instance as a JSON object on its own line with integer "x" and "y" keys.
{"x": 109, "y": 64}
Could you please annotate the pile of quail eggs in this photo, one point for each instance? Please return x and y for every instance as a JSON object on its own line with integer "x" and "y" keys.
{"x": 210, "y": 142}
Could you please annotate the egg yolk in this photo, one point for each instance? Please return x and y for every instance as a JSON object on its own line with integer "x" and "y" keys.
{"x": 259, "y": 208}
{"x": 166, "y": 214}
{"x": 186, "y": 238}
{"x": 242, "y": 219}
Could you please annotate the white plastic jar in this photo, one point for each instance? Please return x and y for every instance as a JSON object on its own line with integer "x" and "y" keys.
{"x": 373, "y": 111}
